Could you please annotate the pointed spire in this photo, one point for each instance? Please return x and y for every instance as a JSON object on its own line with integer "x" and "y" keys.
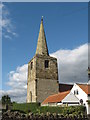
{"x": 41, "y": 44}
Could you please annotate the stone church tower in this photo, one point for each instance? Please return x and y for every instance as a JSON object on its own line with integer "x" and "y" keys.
{"x": 42, "y": 72}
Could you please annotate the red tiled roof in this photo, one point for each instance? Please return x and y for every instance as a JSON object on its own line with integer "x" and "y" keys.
{"x": 85, "y": 88}
{"x": 56, "y": 97}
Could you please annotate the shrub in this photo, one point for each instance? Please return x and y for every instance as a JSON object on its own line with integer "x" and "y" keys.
{"x": 26, "y": 107}
{"x": 46, "y": 109}
{"x": 36, "y": 108}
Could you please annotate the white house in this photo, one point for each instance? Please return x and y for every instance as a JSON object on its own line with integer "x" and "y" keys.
{"x": 79, "y": 94}
{"x": 71, "y": 100}
{"x": 82, "y": 92}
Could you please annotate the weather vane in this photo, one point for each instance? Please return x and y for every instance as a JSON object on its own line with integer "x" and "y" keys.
{"x": 42, "y": 18}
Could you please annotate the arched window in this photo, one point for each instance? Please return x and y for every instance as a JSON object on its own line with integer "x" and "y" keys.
{"x": 46, "y": 63}
{"x": 77, "y": 92}
{"x": 81, "y": 101}
{"x": 30, "y": 96}
{"x": 31, "y": 65}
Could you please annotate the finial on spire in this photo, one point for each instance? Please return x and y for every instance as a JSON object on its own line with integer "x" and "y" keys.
{"x": 42, "y": 18}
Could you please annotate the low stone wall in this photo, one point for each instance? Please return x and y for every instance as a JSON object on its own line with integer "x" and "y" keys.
{"x": 9, "y": 115}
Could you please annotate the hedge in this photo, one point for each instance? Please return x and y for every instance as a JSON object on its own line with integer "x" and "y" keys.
{"x": 36, "y": 108}
{"x": 26, "y": 107}
{"x": 88, "y": 102}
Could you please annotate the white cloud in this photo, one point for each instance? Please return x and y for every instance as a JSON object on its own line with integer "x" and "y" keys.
{"x": 8, "y": 37}
{"x": 18, "y": 95}
{"x": 19, "y": 76}
{"x": 18, "y": 84}
{"x": 8, "y": 28}
{"x": 72, "y": 68}
{"x": 72, "y": 64}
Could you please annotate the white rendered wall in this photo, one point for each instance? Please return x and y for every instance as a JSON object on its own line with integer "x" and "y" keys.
{"x": 70, "y": 98}
{"x": 81, "y": 95}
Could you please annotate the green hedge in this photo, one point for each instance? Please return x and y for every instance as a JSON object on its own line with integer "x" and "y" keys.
{"x": 36, "y": 108}
{"x": 26, "y": 107}
{"x": 46, "y": 109}
{"x": 64, "y": 110}
{"x": 74, "y": 110}
{"x": 88, "y": 102}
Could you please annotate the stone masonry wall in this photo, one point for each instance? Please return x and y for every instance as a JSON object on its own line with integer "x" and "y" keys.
{"x": 31, "y": 91}
{"x": 42, "y": 81}
{"x": 46, "y": 73}
{"x": 32, "y": 72}
{"x": 45, "y": 88}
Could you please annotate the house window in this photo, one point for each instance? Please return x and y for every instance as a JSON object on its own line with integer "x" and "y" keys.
{"x": 77, "y": 92}
{"x": 46, "y": 63}
{"x": 81, "y": 101}
{"x": 31, "y": 65}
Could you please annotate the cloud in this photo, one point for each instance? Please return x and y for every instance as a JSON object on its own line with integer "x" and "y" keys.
{"x": 72, "y": 64}
{"x": 18, "y": 84}
{"x": 18, "y": 78}
{"x": 6, "y": 24}
{"x": 72, "y": 68}
{"x": 18, "y": 95}
{"x": 7, "y": 37}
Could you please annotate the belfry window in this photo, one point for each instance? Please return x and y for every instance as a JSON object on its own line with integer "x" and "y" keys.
{"x": 46, "y": 63}
{"x": 31, "y": 65}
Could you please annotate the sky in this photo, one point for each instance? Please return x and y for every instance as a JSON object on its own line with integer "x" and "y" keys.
{"x": 46, "y": 0}
{"x": 66, "y": 29}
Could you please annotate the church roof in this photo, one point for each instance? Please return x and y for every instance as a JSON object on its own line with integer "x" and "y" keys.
{"x": 65, "y": 87}
{"x": 56, "y": 97}
{"x": 42, "y": 48}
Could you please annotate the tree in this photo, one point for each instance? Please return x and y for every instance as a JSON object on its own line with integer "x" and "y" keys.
{"x": 6, "y": 100}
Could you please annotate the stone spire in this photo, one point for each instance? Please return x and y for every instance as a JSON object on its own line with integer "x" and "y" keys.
{"x": 42, "y": 48}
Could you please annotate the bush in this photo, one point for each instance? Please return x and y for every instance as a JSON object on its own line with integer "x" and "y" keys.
{"x": 26, "y": 107}
{"x": 74, "y": 110}
{"x": 36, "y": 108}
{"x": 46, "y": 109}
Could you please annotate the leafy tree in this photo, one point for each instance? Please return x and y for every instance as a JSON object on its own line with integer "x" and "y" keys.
{"x": 6, "y": 99}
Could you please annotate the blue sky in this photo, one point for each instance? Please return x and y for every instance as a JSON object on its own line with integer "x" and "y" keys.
{"x": 66, "y": 27}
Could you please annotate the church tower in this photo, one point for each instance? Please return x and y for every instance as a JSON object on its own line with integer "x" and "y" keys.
{"x": 42, "y": 72}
